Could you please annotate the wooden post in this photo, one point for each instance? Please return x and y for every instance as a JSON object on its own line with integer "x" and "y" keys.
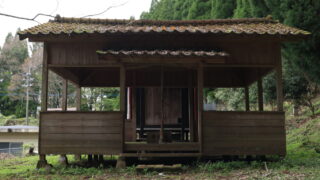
{"x": 44, "y": 85}
{"x": 200, "y": 103}
{"x": 278, "y": 69}
{"x": 64, "y": 103}
{"x": 162, "y": 108}
{"x": 191, "y": 108}
{"x": 260, "y": 95}
{"x": 279, "y": 87}
{"x": 63, "y": 160}
{"x": 121, "y": 160}
{"x": 246, "y": 96}
{"x": 44, "y": 98}
{"x": 133, "y": 113}
{"x": 123, "y": 97}
{"x": 77, "y": 157}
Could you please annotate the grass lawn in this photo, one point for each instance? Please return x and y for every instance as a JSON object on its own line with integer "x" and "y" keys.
{"x": 299, "y": 164}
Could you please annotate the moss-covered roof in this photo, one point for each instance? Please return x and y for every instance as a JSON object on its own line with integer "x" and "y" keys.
{"x": 250, "y": 26}
{"x": 158, "y": 52}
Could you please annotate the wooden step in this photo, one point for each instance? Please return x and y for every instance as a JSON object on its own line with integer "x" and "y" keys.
{"x": 160, "y": 154}
{"x": 177, "y": 146}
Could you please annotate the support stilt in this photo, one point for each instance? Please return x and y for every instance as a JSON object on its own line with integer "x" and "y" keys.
{"x": 101, "y": 160}
{"x": 42, "y": 163}
{"x": 77, "y": 157}
{"x": 63, "y": 160}
{"x": 121, "y": 162}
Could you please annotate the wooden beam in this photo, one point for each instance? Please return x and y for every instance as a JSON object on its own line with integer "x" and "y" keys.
{"x": 82, "y": 65}
{"x": 200, "y": 103}
{"x": 260, "y": 95}
{"x": 161, "y": 60}
{"x": 246, "y": 96}
{"x": 66, "y": 74}
{"x": 123, "y": 102}
{"x": 173, "y": 155}
{"x": 64, "y": 103}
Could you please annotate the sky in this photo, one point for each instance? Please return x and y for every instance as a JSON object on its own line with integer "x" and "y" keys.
{"x": 65, "y": 8}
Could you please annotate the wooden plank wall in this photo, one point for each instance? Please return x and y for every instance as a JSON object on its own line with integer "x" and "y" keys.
{"x": 241, "y": 52}
{"x": 81, "y": 132}
{"x": 243, "y": 133}
{"x": 172, "y": 106}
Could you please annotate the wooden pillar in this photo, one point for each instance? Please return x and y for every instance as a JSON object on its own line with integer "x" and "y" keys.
{"x": 44, "y": 99}
{"x": 279, "y": 83}
{"x": 121, "y": 160}
{"x": 246, "y": 96}
{"x": 161, "y": 138}
{"x": 64, "y": 103}
{"x": 191, "y": 107}
{"x": 260, "y": 95}
{"x": 44, "y": 83}
{"x": 63, "y": 160}
{"x": 123, "y": 97}
{"x": 279, "y": 87}
{"x": 200, "y": 103}
{"x": 133, "y": 113}
{"x": 77, "y": 157}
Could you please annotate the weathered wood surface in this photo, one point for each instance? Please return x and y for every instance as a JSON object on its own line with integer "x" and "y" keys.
{"x": 177, "y": 146}
{"x": 243, "y": 133}
{"x": 171, "y": 107}
{"x": 153, "y": 155}
{"x": 200, "y": 104}
{"x": 174, "y": 76}
{"x": 81, "y": 132}
{"x": 242, "y": 52}
{"x": 249, "y": 61}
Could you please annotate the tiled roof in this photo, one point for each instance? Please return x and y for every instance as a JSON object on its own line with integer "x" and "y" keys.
{"x": 251, "y": 26}
{"x": 172, "y": 53}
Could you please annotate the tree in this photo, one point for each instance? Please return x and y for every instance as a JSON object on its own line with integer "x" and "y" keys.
{"x": 100, "y": 99}
{"x": 17, "y": 84}
{"x": 160, "y": 10}
{"x": 304, "y": 14}
{"x": 243, "y": 9}
{"x": 200, "y": 9}
{"x": 13, "y": 54}
{"x": 222, "y": 9}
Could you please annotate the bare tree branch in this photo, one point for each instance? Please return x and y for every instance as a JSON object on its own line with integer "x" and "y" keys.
{"x": 28, "y": 19}
{"x": 56, "y": 8}
{"x": 110, "y": 7}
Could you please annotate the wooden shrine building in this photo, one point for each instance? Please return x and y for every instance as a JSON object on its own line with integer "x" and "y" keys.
{"x": 161, "y": 68}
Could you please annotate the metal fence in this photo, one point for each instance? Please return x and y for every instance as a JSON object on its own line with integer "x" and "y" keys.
{"x": 13, "y": 151}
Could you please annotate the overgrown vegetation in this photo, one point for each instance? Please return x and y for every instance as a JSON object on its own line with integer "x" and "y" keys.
{"x": 13, "y": 120}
